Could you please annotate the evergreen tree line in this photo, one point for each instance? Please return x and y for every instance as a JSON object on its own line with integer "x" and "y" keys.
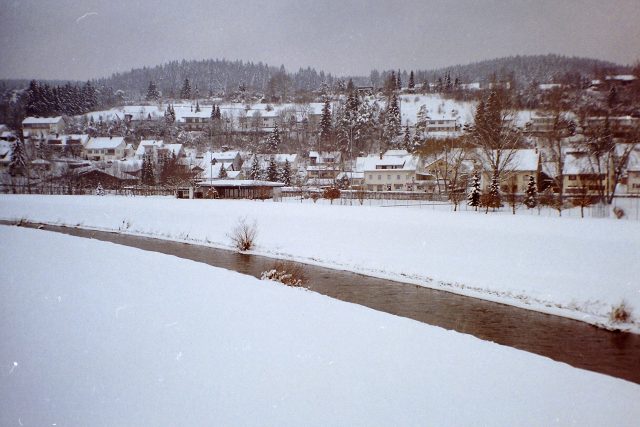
{"x": 214, "y": 76}
{"x": 44, "y": 101}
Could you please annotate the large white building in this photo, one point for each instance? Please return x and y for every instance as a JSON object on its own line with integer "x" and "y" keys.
{"x": 38, "y": 128}
{"x": 394, "y": 170}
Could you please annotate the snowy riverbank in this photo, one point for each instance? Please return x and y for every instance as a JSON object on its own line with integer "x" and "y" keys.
{"x": 129, "y": 337}
{"x": 575, "y": 268}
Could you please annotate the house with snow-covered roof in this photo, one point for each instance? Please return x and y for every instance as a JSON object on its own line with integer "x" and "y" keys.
{"x": 158, "y": 152}
{"x": 38, "y": 128}
{"x": 323, "y": 168}
{"x": 391, "y": 172}
{"x": 517, "y": 167}
{"x": 105, "y": 148}
{"x": 73, "y": 145}
{"x": 583, "y": 175}
{"x": 633, "y": 172}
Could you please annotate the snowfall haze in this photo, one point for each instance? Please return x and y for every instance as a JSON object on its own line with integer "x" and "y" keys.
{"x": 73, "y": 39}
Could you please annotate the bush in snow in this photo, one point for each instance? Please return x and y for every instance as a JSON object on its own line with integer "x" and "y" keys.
{"x": 286, "y": 273}
{"x": 620, "y": 314}
{"x": 243, "y": 235}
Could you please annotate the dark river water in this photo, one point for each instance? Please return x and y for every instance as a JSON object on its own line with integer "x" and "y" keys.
{"x": 573, "y": 342}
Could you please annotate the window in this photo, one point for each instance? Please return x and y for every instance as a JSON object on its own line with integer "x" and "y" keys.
{"x": 379, "y": 177}
{"x": 388, "y": 177}
{"x": 370, "y": 177}
{"x": 398, "y": 177}
{"x": 572, "y": 177}
{"x": 397, "y": 186}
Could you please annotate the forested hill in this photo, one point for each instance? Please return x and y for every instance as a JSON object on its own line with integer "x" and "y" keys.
{"x": 527, "y": 69}
{"x": 214, "y": 76}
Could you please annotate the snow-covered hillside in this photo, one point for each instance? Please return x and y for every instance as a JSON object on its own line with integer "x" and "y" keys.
{"x": 100, "y": 334}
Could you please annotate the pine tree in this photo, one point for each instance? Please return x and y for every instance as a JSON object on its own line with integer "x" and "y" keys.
{"x": 286, "y": 173}
{"x": 325, "y": 125}
{"x": 169, "y": 115}
{"x": 255, "y": 169}
{"x": 392, "y": 121}
{"x": 399, "y": 82}
{"x": 273, "y": 140}
{"x": 99, "y": 190}
{"x": 412, "y": 83}
{"x": 473, "y": 199}
{"x": 223, "y": 172}
{"x": 197, "y": 106}
{"x": 531, "y": 195}
{"x": 272, "y": 171}
{"x": 152, "y": 92}
{"x": 406, "y": 141}
{"x": 495, "y": 199}
{"x": 421, "y": 120}
{"x": 416, "y": 143}
{"x": 185, "y": 92}
{"x": 147, "y": 175}
{"x": 18, "y": 164}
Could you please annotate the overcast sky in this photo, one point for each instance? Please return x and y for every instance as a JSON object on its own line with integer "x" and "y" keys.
{"x": 80, "y": 39}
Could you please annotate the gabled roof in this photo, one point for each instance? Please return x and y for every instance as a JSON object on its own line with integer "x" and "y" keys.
{"x": 140, "y": 151}
{"x": 391, "y": 163}
{"x": 222, "y": 155}
{"x": 104, "y": 142}
{"x": 41, "y": 120}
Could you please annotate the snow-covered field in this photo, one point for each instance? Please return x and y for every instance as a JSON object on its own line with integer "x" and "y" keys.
{"x": 95, "y": 333}
{"x": 575, "y": 268}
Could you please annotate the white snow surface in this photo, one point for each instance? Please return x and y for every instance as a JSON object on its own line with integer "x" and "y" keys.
{"x": 579, "y": 268}
{"x": 95, "y": 333}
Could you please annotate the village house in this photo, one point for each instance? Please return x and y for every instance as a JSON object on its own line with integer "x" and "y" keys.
{"x": 444, "y": 172}
{"x": 38, "y": 128}
{"x": 519, "y": 166}
{"x": 105, "y": 148}
{"x": 393, "y": 171}
{"x": 196, "y": 121}
{"x": 207, "y": 167}
{"x": 633, "y": 173}
{"x": 323, "y": 168}
{"x": 73, "y": 145}
{"x": 583, "y": 176}
{"x": 158, "y": 152}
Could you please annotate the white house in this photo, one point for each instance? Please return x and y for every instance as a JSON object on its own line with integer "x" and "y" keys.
{"x": 323, "y": 168}
{"x": 392, "y": 171}
{"x": 633, "y": 172}
{"x": 516, "y": 169}
{"x": 105, "y": 148}
{"x": 38, "y": 128}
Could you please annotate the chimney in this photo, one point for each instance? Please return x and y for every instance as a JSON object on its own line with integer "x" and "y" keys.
{"x": 380, "y": 155}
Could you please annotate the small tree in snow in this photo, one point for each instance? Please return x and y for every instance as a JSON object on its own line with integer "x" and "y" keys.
{"x": 99, "y": 190}
{"x": 495, "y": 199}
{"x": 286, "y": 173}
{"x": 272, "y": 171}
{"x": 255, "y": 169}
{"x": 223, "y": 172}
{"x": 531, "y": 194}
{"x": 473, "y": 199}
